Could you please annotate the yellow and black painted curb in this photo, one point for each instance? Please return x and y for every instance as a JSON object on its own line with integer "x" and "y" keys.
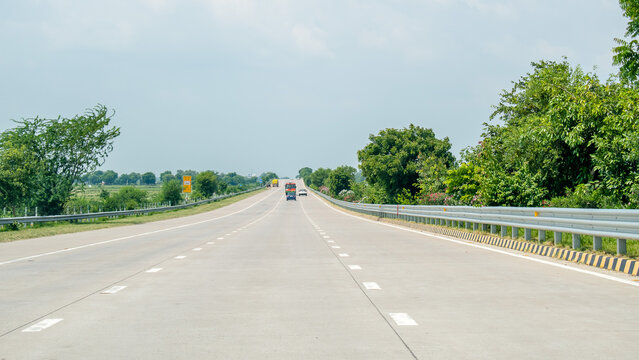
{"x": 626, "y": 266}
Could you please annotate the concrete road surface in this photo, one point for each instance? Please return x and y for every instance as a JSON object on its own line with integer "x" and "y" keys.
{"x": 269, "y": 279}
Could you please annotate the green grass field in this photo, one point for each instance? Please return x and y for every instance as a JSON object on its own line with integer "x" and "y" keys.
{"x": 93, "y": 192}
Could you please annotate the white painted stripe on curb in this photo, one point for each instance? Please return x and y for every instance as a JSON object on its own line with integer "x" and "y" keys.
{"x": 403, "y": 319}
{"x": 336, "y": 247}
{"x": 154, "y": 270}
{"x": 354, "y": 267}
{"x": 42, "y": 325}
{"x": 180, "y": 257}
{"x": 344, "y": 255}
{"x": 113, "y": 289}
{"x": 197, "y": 249}
{"x": 369, "y": 285}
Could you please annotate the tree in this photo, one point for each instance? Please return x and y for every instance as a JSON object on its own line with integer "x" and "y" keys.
{"x": 463, "y": 182}
{"x": 268, "y": 177}
{"x": 304, "y": 173}
{"x": 128, "y": 197}
{"x": 391, "y": 159}
{"x": 14, "y": 169}
{"x": 206, "y": 183}
{"x": 318, "y": 177}
{"x": 148, "y": 178}
{"x": 166, "y": 176}
{"x": 61, "y": 151}
{"x": 109, "y": 177}
{"x": 340, "y": 179}
{"x": 134, "y": 178}
{"x": 626, "y": 54}
{"x": 171, "y": 192}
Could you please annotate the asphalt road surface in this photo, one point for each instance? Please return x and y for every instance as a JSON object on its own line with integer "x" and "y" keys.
{"x": 266, "y": 278}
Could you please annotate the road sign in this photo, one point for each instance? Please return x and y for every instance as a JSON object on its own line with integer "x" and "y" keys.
{"x": 186, "y": 184}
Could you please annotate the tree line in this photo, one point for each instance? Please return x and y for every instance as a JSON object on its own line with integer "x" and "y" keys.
{"x": 559, "y": 137}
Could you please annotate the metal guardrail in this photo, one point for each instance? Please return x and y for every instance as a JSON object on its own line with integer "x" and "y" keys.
{"x": 95, "y": 215}
{"x": 620, "y": 224}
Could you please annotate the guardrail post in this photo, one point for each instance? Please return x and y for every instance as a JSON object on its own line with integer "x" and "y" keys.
{"x": 557, "y": 238}
{"x": 621, "y": 246}
{"x": 515, "y": 233}
{"x": 484, "y": 227}
{"x": 527, "y": 234}
{"x": 576, "y": 241}
{"x": 475, "y": 226}
{"x": 493, "y": 229}
{"x": 542, "y": 235}
{"x": 504, "y": 231}
{"x": 467, "y": 225}
{"x": 596, "y": 242}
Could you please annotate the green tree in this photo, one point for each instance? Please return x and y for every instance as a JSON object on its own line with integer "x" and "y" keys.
{"x": 626, "y": 54}
{"x": 148, "y": 178}
{"x": 109, "y": 177}
{"x": 128, "y": 198}
{"x": 62, "y": 149}
{"x": 463, "y": 182}
{"x": 340, "y": 179}
{"x": 304, "y": 172}
{"x": 391, "y": 159}
{"x": 171, "y": 192}
{"x": 167, "y": 176}
{"x": 14, "y": 169}
{"x": 268, "y": 177}
{"x": 206, "y": 183}
{"x": 318, "y": 177}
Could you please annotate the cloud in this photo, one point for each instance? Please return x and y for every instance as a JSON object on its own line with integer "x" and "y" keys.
{"x": 310, "y": 40}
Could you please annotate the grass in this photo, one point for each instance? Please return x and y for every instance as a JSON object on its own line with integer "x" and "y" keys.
{"x": 50, "y": 229}
{"x": 93, "y": 192}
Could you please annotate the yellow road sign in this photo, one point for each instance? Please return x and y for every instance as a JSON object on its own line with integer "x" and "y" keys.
{"x": 186, "y": 184}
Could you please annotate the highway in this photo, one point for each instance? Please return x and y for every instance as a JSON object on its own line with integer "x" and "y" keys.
{"x": 266, "y": 278}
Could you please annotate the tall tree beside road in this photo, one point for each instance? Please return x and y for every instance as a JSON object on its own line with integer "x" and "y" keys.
{"x": 206, "y": 183}
{"x": 60, "y": 151}
{"x": 626, "y": 54}
{"x": 317, "y": 178}
{"x": 305, "y": 173}
{"x": 267, "y": 177}
{"x": 171, "y": 192}
{"x": 148, "y": 178}
{"x": 392, "y": 158}
{"x": 340, "y": 179}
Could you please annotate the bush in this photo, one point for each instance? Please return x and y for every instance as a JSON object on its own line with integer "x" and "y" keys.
{"x": 171, "y": 192}
{"x": 585, "y": 196}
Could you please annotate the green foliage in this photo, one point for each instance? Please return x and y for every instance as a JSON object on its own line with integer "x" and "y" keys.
{"x": 626, "y": 54}
{"x": 391, "y": 159}
{"x": 148, "y": 178}
{"x": 340, "y": 179}
{"x": 305, "y": 173}
{"x": 167, "y": 176}
{"x": 432, "y": 172}
{"x": 584, "y": 196}
{"x": 318, "y": 177}
{"x": 372, "y": 194}
{"x": 206, "y": 183}
{"x": 55, "y": 153}
{"x": 462, "y": 183}
{"x": 127, "y": 198}
{"x": 171, "y": 192}
{"x": 267, "y": 177}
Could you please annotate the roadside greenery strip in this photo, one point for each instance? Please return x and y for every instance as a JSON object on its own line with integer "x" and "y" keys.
{"x": 620, "y": 225}
{"x": 74, "y": 217}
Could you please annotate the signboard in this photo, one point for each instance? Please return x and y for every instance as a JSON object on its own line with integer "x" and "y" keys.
{"x": 186, "y": 184}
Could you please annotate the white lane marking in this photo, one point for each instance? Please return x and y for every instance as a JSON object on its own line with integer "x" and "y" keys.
{"x": 234, "y": 231}
{"x": 180, "y": 257}
{"x": 153, "y": 270}
{"x": 197, "y": 249}
{"x": 336, "y": 247}
{"x": 541, "y": 261}
{"x": 354, "y": 267}
{"x": 403, "y": 319}
{"x": 228, "y": 234}
{"x": 344, "y": 255}
{"x": 322, "y": 233}
{"x": 369, "y": 285}
{"x": 330, "y": 241}
{"x": 42, "y": 325}
{"x": 132, "y": 236}
{"x": 210, "y": 243}
{"x": 114, "y": 289}
{"x": 326, "y": 237}
{"x": 220, "y": 238}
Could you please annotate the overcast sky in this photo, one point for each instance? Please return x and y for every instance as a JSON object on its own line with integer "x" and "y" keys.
{"x": 253, "y": 86}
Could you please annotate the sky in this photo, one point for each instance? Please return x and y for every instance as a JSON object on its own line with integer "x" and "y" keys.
{"x": 252, "y": 86}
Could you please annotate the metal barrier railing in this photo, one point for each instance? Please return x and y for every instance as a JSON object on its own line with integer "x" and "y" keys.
{"x": 620, "y": 224}
{"x": 102, "y": 214}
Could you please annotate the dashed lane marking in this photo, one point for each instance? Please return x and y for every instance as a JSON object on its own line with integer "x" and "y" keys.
{"x": 403, "y": 319}
{"x": 42, "y": 325}
{"x": 220, "y": 238}
{"x": 336, "y": 247}
{"x": 326, "y": 237}
{"x": 369, "y": 285}
{"x": 154, "y": 270}
{"x": 197, "y": 249}
{"x": 113, "y": 289}
{"x": 354, "y": 267}
{"x": 344, "y": 255}
{"x": 210, "y": 243}
{"x": 180, "y": 257}
{"x": 331, "y": 241}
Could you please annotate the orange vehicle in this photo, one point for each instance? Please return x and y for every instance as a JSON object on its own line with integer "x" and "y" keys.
{"x": 290, "y": 190}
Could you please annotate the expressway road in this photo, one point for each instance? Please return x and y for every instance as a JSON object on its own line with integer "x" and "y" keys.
{"x": 269, "y": 279}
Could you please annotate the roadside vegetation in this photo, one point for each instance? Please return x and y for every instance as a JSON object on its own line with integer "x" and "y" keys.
{"x": 559, "y": 137}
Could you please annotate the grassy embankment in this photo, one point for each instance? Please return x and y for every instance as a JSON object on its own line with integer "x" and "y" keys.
{"x": 49, "y": 229}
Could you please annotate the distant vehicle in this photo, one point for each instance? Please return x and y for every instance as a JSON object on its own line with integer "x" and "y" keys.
{"x": 302, "y": 192}
{"x": 275, "y": 183}
{"x": 290, "y": 190}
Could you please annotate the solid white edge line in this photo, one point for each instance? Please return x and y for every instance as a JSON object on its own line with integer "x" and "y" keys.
{"x": 42, "y": 325}
{"x": 541, "y": 261}
{"x": 132, "y": 236}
